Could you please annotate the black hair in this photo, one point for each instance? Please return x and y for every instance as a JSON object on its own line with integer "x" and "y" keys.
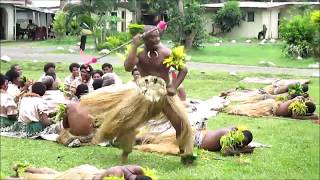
{"x": 48, "y": 65}
{"x": 12, "y": 75}
{"x": 311, "y": 107}
{"x": 2, "y": 79}
{"x": 13, "y": 66}
{"x": 81, "y": 90}
{"x": 52, "y": 74}
{"x": 134, "y": 69}
{"x": 97, "y": 71}
{"x": 305, "y": 87}
{"x": 72, "y": 65}
{"x": 97, "y": 83}
{"x": 106, "y": 65}
{"x": 143, "y": 177}
{"x": 85, "y": 66}
{"x": 247, "y": 137}
{"x": 38, "y": 88}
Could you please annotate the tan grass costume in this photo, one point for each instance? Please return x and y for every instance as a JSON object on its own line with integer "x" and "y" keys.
{"x": 119, "y": 114}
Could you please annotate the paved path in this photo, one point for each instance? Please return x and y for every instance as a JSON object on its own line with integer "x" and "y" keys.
{"x": 25, "y": 52}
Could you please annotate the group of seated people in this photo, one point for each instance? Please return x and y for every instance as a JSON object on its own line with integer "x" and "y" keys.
{"x": 30, "y": 106}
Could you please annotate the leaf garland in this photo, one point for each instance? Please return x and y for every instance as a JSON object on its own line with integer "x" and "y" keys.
{"x": 298, "y": 107}
{"x": 177, "y": 59}
{"x": 231, "y": 139}
{"x": 295, "y": 89}
{"x": 150, "y": 172}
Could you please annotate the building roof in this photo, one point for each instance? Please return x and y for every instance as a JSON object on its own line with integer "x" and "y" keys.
{"x": 49, "y": 11}
{"x": 250, "y": 4}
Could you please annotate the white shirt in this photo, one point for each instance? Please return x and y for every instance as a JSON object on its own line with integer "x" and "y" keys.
{"x": 7, "y": 105}
{"x": 30, "y": 109}
{"x": 13, "y": 90}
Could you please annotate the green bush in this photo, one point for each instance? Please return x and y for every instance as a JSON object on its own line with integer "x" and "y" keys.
{"x": 299, "y": 35}
{"x": 315, "y": 19}
{"x": 228, "y": 16}
{"x": 59, "y": 25}
{"x": 114, "y": 41}
{"x": 135, "y": 29}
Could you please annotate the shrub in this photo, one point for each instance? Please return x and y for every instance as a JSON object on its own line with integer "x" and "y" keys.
{"x": 315, "y": 19}
{"x": 59, "y": 25}
{"x": 135, "y": 29}
{"x": 298, "y": 33}
{"x": 228, "y": 16}
{"x": 115, "y": 40}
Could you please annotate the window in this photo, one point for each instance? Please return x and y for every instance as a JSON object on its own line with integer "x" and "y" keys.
{"x": 250, "y": 17}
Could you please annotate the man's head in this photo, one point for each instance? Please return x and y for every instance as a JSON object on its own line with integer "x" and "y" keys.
{"x": 247, "y": 137}
{"x": 305, "y": 87}
{"x": 48, "y": 82}
{"x": 74, "y": 69}
{"x": 13, "y": 76}
{"x": 136, "y": 74}
{"x": 17, "y": 68}
{"x": 38, "y": 88}
{"x": 97, "y": 83}
{"x": 3, "y": 82}
{"x": 97, "y": 74}
{"x": 108, "y": 79}
{"x": 85, "y": 71}
{"x": 107, "y": 68}
{"x": 311, "y": 107}
{"x": 82, "y": 89}
{"x": 49, "y": 67}
{"x": 151, "y": 39}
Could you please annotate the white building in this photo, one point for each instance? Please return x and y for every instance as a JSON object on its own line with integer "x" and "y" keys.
{"x": 257, "y": 14}
{"x": 21, "y": 11}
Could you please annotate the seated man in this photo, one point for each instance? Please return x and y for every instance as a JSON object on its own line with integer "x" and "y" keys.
{"x": 51, "y": 69}
{"x": 108, "y": 68}
{"x": 8, "y": 108}
{"x": 74, "y": 70}
{"x": 85, "y": 78}
{"x": 33, "y": 112}
{"x": 52, "y": 97}
{"x": 84, "y": 172}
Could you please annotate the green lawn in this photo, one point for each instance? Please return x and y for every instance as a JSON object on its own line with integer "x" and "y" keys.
{"x": 247, "y": 54}
{"x": 294, "y": 152}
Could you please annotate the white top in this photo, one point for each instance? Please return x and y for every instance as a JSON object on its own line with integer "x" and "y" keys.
{"x": 13, "y": 90}
{"x": 67, "y": 81}
{"x": 53, "y": 98}
{"x": 7, "y": 105}
{"x": 30, "y": 109}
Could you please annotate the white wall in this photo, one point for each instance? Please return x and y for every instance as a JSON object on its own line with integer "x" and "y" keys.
{"x": 9, "y": 29}
{"x": 269, "y": 17}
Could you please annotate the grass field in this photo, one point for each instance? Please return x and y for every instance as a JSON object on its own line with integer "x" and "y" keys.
{"x": 294, "y": 153}
{"x": 228, "y": 53}
{"x": 247, "y": 54}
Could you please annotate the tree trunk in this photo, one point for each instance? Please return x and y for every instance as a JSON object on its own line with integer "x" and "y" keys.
{"x": 189, "y": 39}
{"x": 180, "y": 7}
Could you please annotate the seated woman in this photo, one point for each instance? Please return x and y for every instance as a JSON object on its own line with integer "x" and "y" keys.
{"x": 8, "y": 108}
{"x": 33, "y": 112}
{"x": 269, "y": 107}
{"x": 128, "y": 172}
{"x": 209, "y": 140}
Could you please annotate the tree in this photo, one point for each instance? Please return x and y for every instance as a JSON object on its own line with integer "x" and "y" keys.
{"x": 228, "y": 16}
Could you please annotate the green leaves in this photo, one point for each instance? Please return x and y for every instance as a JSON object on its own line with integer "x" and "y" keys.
{"x": 295, "y": 89}
{"x": 177, "y": 59}
{"x": 231, "y": 140}
{"x": 228, "y": 16}
{"x": 298, "y": 107}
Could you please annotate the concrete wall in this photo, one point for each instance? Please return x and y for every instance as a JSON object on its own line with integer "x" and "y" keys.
{"x": 127, "y": 19}
{"x": 269, "y": 17}
{"x": 9, "y": 22}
